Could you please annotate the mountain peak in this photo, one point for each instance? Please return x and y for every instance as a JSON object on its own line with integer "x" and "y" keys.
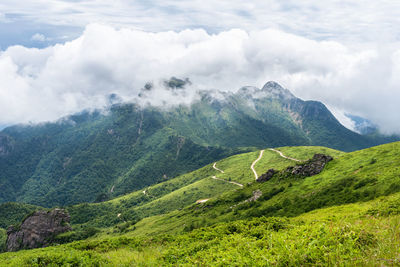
{"x": 277, "y": 90}
{"x": 272, "y": 84}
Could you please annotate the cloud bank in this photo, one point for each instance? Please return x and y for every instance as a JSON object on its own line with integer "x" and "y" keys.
{"x": 360, "y": 21}
{"x": 45, "y": 84}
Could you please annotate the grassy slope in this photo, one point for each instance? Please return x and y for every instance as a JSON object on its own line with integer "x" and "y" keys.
{"x": 366, "y": 232}
{"x": 3, "y": 239}
{"x": 184, "y": 190}
{"x": 357, "y": 176}
{"x": 349, "y": 234}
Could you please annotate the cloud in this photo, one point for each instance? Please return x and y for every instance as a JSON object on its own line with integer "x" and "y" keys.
{"x": 39, "y": 37}
{"x": 353, "y": 21}
{"x": 44, "y": 84}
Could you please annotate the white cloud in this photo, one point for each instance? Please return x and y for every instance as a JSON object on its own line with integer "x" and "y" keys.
{"x": 3, "y": 18}
{"x": 44, "y": 84}
{"x": 39, "y": 37}
{"x": 354, "y": 21}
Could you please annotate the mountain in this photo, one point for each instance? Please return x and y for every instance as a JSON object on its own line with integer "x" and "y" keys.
{"x": 95, "y": 156}
{"x": 346, "y": 214}
{"x": 363, "y": 126}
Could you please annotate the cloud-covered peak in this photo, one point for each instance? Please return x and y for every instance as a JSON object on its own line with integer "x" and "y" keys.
{"x": 275, "y": 89}
{"x": 45, "y": 84}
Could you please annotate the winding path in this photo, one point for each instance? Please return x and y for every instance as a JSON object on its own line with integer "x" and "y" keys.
{"x": 252, "y": 166}
{"x": 254, "y": 163}
{"x": 283, "y": 156}
{"x": 215, "y": 167}
{"x": 231, "y": 182}
{"x": 221, "y": 171}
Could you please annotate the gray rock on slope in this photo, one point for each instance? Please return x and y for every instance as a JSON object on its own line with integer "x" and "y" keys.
{"x": 311, "y": 167}
{"x": 38, "y": 230}
{"x": 266, "y": 176}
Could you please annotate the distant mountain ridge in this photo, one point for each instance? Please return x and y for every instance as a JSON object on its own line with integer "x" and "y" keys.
{"x": 96, "y": 156}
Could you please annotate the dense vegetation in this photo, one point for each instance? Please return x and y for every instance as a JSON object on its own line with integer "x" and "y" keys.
{"x": 13, "y": 213}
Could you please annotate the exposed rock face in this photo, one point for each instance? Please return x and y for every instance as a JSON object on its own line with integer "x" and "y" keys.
{"x": 256, "y": 195}
{"x": 6, "y": 144}
{"x": 38, "y": 230}
{"x": 266, "y": 176}
{"x": 311, "y": 167}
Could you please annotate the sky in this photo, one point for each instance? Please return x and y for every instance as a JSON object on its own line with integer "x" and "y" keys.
{"x": 58, "y": 57}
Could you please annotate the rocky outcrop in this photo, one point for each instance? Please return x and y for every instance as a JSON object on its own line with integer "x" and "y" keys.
{"x": 38, "y": 230}
{"x": 266, "y": 176}
{"x": 311, "y": 167}
{"x": 6, "y": 145}
{"x": 256, "y": 195}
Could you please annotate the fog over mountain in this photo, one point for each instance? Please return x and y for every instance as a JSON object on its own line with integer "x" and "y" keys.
{"x": 45, "y": 84}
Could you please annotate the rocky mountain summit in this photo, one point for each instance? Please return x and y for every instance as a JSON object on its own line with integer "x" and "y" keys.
{"x": 38, "y": 230}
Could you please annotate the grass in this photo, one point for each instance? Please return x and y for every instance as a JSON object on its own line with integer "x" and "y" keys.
{"x": 347, "y": 215}
{"x": 3, "y": 238}
{"x": 184, "y": 190}
{"x": 340, "y": 235}
{"x": 349, "y": 178}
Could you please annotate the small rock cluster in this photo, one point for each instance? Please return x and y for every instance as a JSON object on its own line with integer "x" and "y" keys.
{"x": 38, "y": 230}
{"x": 256, "y": 195}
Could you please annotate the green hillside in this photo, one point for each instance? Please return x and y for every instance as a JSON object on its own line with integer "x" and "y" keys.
{"x": 96, "y": 156}
{"x": 348, "y": 214}
{"x": 351, "y": 177}
{"x": 186, "y": 189}
{"x": 364, "y": 233}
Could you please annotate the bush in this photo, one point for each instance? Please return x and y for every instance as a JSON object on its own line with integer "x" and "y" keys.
{"x": 76, "y": 235}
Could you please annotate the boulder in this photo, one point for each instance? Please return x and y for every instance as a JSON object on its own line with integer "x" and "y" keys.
{"x": 38, "y": 230}
{"x": 311, "y": 167}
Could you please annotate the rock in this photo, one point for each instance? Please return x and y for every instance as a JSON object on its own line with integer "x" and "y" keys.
{"x": 6, "y": 145}
{"x": 256, "y": 195}
{"x": 311, "y": 167}
{"x": 38, "y": 230}
{"x": 266, "y": 176}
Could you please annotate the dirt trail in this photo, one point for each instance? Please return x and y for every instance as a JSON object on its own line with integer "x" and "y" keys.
{"x": 215, "y": 167}
{"x": 202, "y": 200}
{"x": 231, "y": 182}
{"x": 283, "y": 156}
{"x": 254, "y": 163}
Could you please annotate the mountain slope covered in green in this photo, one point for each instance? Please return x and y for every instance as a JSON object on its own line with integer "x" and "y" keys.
{"x": 96, "y": 156}
{"x": 347, "y": 214}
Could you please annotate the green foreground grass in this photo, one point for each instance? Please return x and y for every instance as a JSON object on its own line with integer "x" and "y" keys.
{"x": 365, "y": 233}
